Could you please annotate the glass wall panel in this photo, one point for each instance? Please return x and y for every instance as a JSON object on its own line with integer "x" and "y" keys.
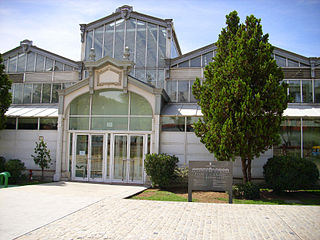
{"x": 206, "y": 58}
{"x": 5, "y": 63}
{"x": 160, "y": 82}
{"x": 82, "y": 156}
{"x": 88, "y": 44}
{"x": 294, "y": 90}
{"x": 21, "y": 62}
{"x": 46, "y": 92}
{"x": 27, "y": 92}
{"x": 31, "y": 56}
{"x": 141, "y": 44}
{"x": 110, "y": 103}
{"x": 98, "y": 37}
{"x": 109, "y": 123}
{"x": 49, "y": 65}
{"x": 311, "y": 140}
{"x": 290, "y": 135}
{"x": 190, "y": 123}
{"x": 18, "y": 93}
{"x": 174, "y": 51}
{"x": 139, "y": 105}
{"x": 28, "y": 123}
{"x": 108, "y": 155}
{"x": 183, "y": 91}
{"x": 55, "y": 96}
{"x": 307, "y": 91}
{"x": 140, "y": 123}
{"x": 12, "y": 64}
{"x": 173, "y": 124}
{"x": 48, "y": 123}
{"x": 120, "y": 157}
{"x": 130, "y": 36}
{"x": 195, "y": 62}
{"x": 192, "y": 98}
{"x": 141, "y": 74}
{"x": 152, "y": 45}
{"x": 281, "y": 61}
{"x": 68, "y": 68}
{"x": 78, "y": 123}
{"x": 304, "y": 65}
{"x": 80, "y": 105}
{"x": 70, "y": 151}
{"x": 58, "y": 66}
{"x": 119, "y": 38}
{"x": 136, "y": 158}
{"x": 184, "y": 64}
{"x": 40, "y": 63}
{"x": 162, "y": 47}
{"x": 11, "y": 123}
{"x": 36, "y": 93}
{"x": 317, "y": 91}
{"x": 96, "y": 156}
{"x": 172, "y": 90}
{"x": 108, "y": 40}
{"x": 292, "y": 63}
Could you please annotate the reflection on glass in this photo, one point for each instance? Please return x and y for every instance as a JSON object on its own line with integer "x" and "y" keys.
{"x": 28, "y": 123}
{"x": 184, "y": 64}
{"x": 110, "y": 103}
{"x": 141, "y": 123}
{"x": 30, "y": 61}
{"x": 292, "y": 63}
{"x": 70, "y": 151}
{"x": 98, "y": 37}
{"x": 27, "y": 92}
{"x": 11, "y": 123}
{"x": 281, "y": 61}
{"x": 46, "y": 92}
{"x": 141, "y": 44}
{"x": 80, "y": 105}
{"x": 58, "y": 66}
{"x": 55, "y": 96}
{"x": 183, "y": 89}
{"x": 136, "y": 158}
{"x": 78, "y": 123}
{"x": 108, "y": 156}
{"x": 130, "y": 36}
{"x": 81, "y": 156}
{"x": 108, "y": 40}
{"x": 39, "y": 63}
{"x": 36, "y": 93}
{"x": 206, "y": 58}
{"x": 89, "y": 36}
{"x": 152, "y": 45}
{"x": 290, "y": 135}
{"x": 172, "y": 90}
{"x": 120, "y": 157}
{"x": 162, "y": 47}
{"x": 96, "y": 156}
{"x": 109, "y": 123}
{"x": 190, "y": 123}
{"x": 21, "y": 62}
{"x": 119, "y": 38}
{"x": 172, "y": 124}
{"x": 18, "y": 93}
{"x": 139, "y": 105}
{"x": 294, "y": 90}
{"x": 195, "y": 62}
{"x": 317, "y": 91}
{"x": 192, "y": 98}
{"x": 12, "y": 64}
{"x": 48, "y": 123}
{"x": 307, "y": 91}
{"x": 49, "y": 65}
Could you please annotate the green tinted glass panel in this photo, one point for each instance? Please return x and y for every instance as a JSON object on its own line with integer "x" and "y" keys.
{"x": 55, "y": 96}
{"x": 80, "y": 105}
{"x": 36, "y": 93}
{"x": 46, "y": 92}
{"x": 78, "y": 123}
{"x": 172, "y": 124}
{"x": 82, "y": 156}
{"x": 307, "y": 91}
{"x": 28, "y": 123}
{"x": 17, "y": 92}
{"x": 139, "y": 105}
{"x": 109, "y": 123}
{"x": 110, "y": 103}
{"x": 27, "y": 92}
{"x": 48, "y": 123}
{"x": 294, "y": 90}
{"x": 140, "y": 124}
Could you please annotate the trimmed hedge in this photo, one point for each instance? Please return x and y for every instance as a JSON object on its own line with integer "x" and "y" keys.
{"x": 161, "y": 169}
{"x": 15, "y": 167}
{"x": 246, "y": 191}
{"x": 290, "y": 173}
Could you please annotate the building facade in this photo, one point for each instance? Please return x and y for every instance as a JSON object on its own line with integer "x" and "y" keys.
{"x": 131, "y": 95}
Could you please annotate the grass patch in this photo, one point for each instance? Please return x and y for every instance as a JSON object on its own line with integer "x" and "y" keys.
{"x": 159, "y": 195}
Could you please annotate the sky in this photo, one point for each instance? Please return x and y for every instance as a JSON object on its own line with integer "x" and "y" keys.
{"x": 293, "y": 25}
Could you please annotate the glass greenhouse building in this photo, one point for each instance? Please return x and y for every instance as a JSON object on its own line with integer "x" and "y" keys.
{"x": 131, "y": 95}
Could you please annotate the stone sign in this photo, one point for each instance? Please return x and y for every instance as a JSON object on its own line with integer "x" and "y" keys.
{"x": 213, "y": 175}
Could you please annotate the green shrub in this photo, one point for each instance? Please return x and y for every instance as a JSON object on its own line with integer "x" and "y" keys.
{"x": 246, "y": 191}
{"x": 15, "y": 167}
{"x": 290, "y": 173}
{"x": 181, "y": 175}
{"x": 161, "y": 169}
{"x": 2, "y": 164}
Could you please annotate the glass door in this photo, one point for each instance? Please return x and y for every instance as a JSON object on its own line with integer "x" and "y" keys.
{"x": 96, "y": 158}
{"x": 80, "y": 169}
{"x": 136, "y": 158}
{"x": 120, "y": 158}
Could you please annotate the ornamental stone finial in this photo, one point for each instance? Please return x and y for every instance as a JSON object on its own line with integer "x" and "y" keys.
{"x": 25, "y": 44}
{"x": 92, "y": 55}
{"x": 126, "y": 53}
{"x": 125, "y": 11}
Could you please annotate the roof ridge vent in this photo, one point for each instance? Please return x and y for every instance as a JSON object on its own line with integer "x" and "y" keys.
{"x": 25, "y": 44}
{"x": 125, "y": 11}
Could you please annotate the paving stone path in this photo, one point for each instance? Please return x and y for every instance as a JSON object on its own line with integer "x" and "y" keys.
{"x": 137, "y": 219}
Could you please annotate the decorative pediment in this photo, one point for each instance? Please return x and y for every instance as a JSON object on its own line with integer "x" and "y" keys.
{"x": 109, "y": 75}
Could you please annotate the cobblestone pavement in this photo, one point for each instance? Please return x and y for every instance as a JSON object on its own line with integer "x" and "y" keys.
{"x": 138, "y": 219}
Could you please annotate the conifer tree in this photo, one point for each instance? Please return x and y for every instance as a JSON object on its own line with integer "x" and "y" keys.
{"x": 5, "y": 95}
{"x": 242, "y": 98}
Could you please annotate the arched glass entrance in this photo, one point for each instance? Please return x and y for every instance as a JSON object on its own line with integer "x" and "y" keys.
{"x": 109, "y": 135}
